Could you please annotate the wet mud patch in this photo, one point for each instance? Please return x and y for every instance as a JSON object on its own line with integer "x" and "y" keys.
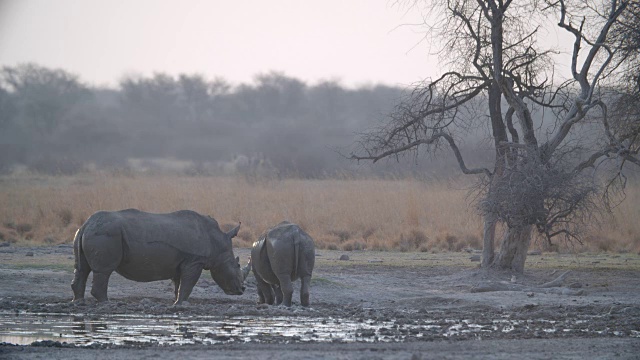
{"x": 26, "y": 328}
{"x": 51, "y": 329}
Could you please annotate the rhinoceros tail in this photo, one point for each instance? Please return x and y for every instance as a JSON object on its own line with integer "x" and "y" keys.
{"x": 80, "y": 260}
{"x": 296, "y": 255}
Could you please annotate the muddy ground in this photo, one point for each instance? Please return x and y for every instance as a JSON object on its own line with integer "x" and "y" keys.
{"x": 402, "y": 305}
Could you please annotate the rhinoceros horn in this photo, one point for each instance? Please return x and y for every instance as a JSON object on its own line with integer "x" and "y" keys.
{"x": 234, "y": 232}
{"x": 246, "y": 269}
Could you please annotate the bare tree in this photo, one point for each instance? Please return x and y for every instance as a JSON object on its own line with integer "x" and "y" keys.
{"x": 542, "y": 177}
{"x": 626, "y": 110}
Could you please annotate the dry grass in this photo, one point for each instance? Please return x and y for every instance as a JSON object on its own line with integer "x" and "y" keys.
{"x": 404, "y": 215}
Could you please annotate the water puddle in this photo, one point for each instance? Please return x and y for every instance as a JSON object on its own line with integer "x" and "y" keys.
{"x": 26, "y": 328}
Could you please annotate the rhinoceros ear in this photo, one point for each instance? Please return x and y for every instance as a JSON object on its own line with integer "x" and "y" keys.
{"x": 234, "y": 232}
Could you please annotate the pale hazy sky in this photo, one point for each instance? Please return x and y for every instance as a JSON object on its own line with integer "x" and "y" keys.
{"x": 358, "y": 42}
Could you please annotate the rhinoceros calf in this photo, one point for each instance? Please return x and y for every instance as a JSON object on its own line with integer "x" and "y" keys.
{"x": 146, "y": 247}
{"x": 282, "y": 255}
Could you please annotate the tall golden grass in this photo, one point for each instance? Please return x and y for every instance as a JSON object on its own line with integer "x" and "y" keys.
{"x": 404, "y": 215}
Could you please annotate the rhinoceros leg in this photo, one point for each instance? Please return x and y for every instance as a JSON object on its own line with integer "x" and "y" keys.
{"x": 286, "y": 287}
{"x": 189, "y": 275}
{"x": 176, "y": 286}
{"x": 304, "y": 290}
{"x": 80, "y": 275}
{"x": 265, "y": 294}
{"x": 100, "y": 284}
{"x": 79, "y": 284}
{"x": 278, "y": 292}
{"x": 81, "y": 268}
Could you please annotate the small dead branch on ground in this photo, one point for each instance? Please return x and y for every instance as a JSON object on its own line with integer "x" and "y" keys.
{"x": 554, "y": 286}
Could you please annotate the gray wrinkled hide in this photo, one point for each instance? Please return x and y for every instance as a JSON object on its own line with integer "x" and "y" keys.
{"x": 282, "y": 255}
{"x": 147, "y": 247}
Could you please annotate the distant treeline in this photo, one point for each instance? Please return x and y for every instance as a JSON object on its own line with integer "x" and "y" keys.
{"x": 52, "y": 122}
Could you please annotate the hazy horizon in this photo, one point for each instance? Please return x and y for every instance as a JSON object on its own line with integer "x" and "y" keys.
{"x": 355, "y": 43}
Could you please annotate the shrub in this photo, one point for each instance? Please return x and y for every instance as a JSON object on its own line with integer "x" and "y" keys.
{"x": 65, "y": 216}
{"x": 50, "y": 240}
{"x": 423, "y": 248}
{"x": 412, "y": 241}
{"x": 377, "y": 245}
{"x": 23, "y": 228}
{"x": 418, "y": 237}
{"x": 449, "y": 242}
{"x": 473, "y": 242}
{"x": 330, "y": 246}
{"x": 343, "y": 235}
{"x": 353, "y": 245}
{"x": 368, "y": 232}
{"x": 403, "y": 244}
{"x": 247, "y": 236}
{"x": 328, "y": 242}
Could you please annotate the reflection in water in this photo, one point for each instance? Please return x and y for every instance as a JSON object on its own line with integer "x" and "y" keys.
{"x": 82, "y": 325}
{"x": 25, "y": 328}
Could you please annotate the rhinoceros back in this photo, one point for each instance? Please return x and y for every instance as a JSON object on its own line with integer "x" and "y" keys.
{"x": 184, "y": 230}
{"x": 147, "y": 247}
{"x": 290, "y": 236}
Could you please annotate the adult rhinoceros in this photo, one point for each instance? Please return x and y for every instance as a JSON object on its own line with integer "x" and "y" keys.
{"x": 282, "y": 255}
{"x": 146, "y": 247}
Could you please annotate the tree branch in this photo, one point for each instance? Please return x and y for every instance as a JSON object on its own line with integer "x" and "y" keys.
{"x": 429, "y": 141}
{"x": 583, "y": 102}
{"x": 429, "y": 108}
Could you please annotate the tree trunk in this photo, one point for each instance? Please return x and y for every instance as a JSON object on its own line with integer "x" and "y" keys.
{"x": 513, "y": 250}
{"x": 488, "y": 252}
